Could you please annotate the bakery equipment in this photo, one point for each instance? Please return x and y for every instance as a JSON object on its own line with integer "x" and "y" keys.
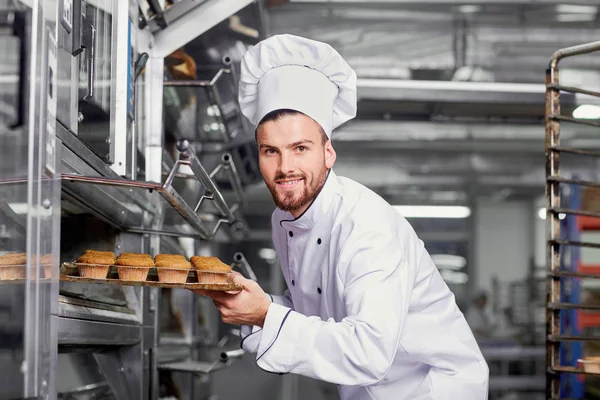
{"x": 567, "y": 314}
{"x": 87, "y": 162}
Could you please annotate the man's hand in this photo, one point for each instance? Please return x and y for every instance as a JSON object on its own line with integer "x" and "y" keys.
{"x": 246, "y": 307}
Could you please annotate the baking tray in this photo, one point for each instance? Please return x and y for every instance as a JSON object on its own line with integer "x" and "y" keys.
{"x": 68, "y": 273}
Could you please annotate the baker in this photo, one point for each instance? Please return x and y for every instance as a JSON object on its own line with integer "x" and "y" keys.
{"x": 365, "y": 306}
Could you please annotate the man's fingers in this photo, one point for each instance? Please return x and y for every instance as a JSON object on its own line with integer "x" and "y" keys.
{"x": 214, "y": 294}
{"x": 239, "y": 279}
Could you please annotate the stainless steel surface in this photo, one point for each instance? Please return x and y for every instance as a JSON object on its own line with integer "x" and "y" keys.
{"x": 28, "y": 210}
{"x": 153, "y": 122}
{"x": 95, "y": 311}
{"x": 123, "y": 378}
{"x": 239, "y": 261}
{"x": 193, "y": 24}
{"x": 196, "y": 367}
{"x": 196, "y": 83}
{"x": 228, "y": 355}
{"x": 119, "y": 88}
{"x": 187, "y": 154}
{"x": 82, "y": 333}
{"x": 81, "y": 154}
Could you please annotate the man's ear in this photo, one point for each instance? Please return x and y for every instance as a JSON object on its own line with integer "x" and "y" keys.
{"x": 330, "y": 155}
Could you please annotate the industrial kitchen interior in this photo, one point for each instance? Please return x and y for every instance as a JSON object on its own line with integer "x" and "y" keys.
{"x": 122, "y": 132}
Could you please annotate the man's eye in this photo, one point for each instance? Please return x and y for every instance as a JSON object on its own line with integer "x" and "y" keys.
{"x": 301, "y": 148}
{"x": 270, "y": 152}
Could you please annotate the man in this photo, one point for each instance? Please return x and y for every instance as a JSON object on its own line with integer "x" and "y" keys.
{"x": 478, "y": 317}
{"x": 365, "y": 308}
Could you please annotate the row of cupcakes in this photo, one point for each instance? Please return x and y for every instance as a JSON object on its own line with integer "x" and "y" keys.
{"x": 171, "y": 268}
{"x": 12, "y": 265}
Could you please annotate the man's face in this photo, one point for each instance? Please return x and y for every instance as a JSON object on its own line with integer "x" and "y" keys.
{"x": 293, "y": 160}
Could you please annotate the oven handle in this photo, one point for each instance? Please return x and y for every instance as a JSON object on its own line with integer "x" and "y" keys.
{"x": 88, "y": 42}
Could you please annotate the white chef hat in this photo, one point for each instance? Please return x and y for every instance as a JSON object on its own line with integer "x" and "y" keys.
{"x": 291, "y": 72}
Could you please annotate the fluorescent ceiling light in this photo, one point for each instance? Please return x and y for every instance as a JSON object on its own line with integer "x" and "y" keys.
{"x": 433, "y": 211}
{"x": 575, "y": 9}
{"x": 448, "y": 261}
{"x": 455, "y": 277}
{"x": 575, "y": 17}
{"x": 469, "y": 8}
{"x": 587, "y": 111}
{"x": 542, "y": 214}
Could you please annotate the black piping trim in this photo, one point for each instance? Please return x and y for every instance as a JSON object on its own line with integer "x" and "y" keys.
{"x": 310, "y": 205}
{"x": 271, "y": 296}
{"x": 277, "y": 336}
{"x": 242, "y": 343}
{"x": 274, "y": 373}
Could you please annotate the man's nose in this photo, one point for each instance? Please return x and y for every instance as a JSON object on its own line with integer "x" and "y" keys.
{"x": 287, "y": 164}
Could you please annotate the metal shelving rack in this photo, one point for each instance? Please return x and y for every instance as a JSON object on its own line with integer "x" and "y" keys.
{"x": 556, "y": 297}
{"x": 227, "y": 215}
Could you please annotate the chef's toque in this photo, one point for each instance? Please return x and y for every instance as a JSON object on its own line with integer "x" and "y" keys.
{"x": 291, "y": 72}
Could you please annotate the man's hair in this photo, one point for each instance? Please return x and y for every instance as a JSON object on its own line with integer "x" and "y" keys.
{"x": 284, "y": 112}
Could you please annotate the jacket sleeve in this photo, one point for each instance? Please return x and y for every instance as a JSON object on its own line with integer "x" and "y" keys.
{"x": 251, "y": 334}
{"x": 359, "y": 349}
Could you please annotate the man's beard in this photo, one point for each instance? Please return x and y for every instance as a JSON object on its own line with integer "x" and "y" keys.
{"x": 288, "y": 201}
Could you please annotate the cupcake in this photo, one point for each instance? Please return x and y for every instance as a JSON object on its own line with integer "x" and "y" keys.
{"x": 46, "y": 261}
{"x": 12, "y": 266}
{"x": 135, "y": 255}
{"x": 163, "y": 257}
{"x": 211, "y": 270}
{"x": 172, "y": 269}
{"x": 95, "y": 264}
{"x": 134, "y": 267}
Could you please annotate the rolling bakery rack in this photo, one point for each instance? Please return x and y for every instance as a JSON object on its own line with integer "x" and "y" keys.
{"x": 565, "y": 371}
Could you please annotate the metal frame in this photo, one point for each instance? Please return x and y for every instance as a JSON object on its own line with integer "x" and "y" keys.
{"x": 555, "y": 242}
{"x": 194, "y": 23}
{"x": 213, "y": 95}
{"x": 228, "y": 215}
{"x": 119, "y": 107}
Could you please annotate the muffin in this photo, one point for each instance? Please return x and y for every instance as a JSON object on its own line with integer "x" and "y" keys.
{"x": 46, "y": 261}
{"x": 172, "y": 270}
{"x": 12, "y": 266}
{"x": 135, "y": 255}
{"x": 9, "y": 272}
{"x": 134, "y": 267}
{"x": 95, "y": 264}
{"x": 211, "y": 270}
{"x": 104, "y": 253}
{"x": 13, "y": 259}
{"x": 162, "y": 257}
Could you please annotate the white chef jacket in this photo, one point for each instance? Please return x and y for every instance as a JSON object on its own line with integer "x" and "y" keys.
{"x": 365, "y": 307}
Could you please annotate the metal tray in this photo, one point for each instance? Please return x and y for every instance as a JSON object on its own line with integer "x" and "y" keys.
{"x": 69, "y": 274}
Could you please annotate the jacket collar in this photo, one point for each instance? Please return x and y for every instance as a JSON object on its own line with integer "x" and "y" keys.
{"x": 318, "y": 209}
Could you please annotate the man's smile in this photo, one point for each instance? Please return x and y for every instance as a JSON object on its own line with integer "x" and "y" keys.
{"x": 287, "y": 184}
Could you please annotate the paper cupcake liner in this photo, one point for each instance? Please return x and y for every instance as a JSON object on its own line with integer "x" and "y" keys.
{"x": 12, "y": 272}
{"x": 129, "y": 273}
{"x": 171, "y": 275}
{"x": 94, "y": 271}
{"x": 591, "y": 364}
{"x": 209, "y": 277}
{"x": 47, "y": 271}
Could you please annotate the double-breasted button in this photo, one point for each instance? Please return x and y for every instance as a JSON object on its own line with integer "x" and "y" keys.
{"x": 293, "y": 282}
{"x": 319, "y": 241}
{"x": 319, "y": 290}
{"x": 291, "y": 234}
